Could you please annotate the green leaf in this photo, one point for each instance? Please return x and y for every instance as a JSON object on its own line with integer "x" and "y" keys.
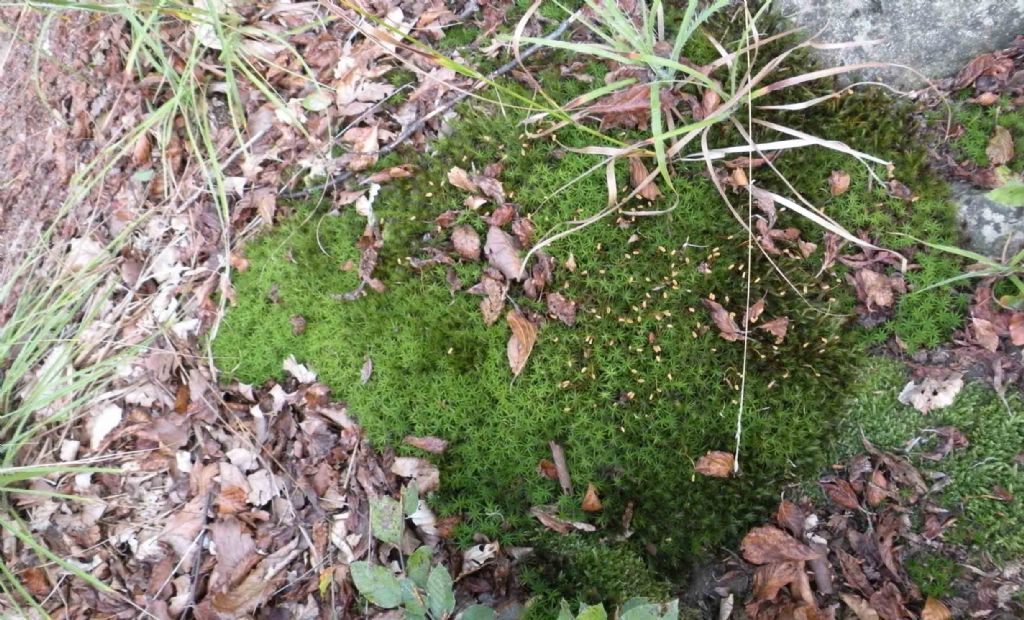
{"x": 477, "y": 612}
{"x": 440, "y": 596}
{"x": 594, "y": 612}
{"x": 386, "y": 520}
{"x": 317, "y": 101}
{"x": 146, "y": 174}
{"x": 642, "y": 609}
{"x": 412, "y": 597}
{"x": 411, "y": 498}
{"x": 1011, "y": 194}
{"x": 418, "y": 566}
{"x": 565, "y": 613}
{"x": 377, "y": 584}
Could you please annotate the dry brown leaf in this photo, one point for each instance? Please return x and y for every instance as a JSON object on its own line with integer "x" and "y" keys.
{"x": 1016, "y": 327}
{"x": 433, "y": 445}
{"x": 501, "y": 215}
{"x": 768, "y": 543}
{"x": 36, "y": 581}
{"x": 792, "y": 517}
{"x": 561, "y": 308}
{"x": 257, "y": 586}
{"x": 985, "y": 334}
{"x": 460, "y": 179}
{"x": 934, "y": 609}
{"x": 493, "y": 288}
{"x": 716, "y": 464}
{"x": 727, "y": 327}
{"x": 547, "y": 469}
{"x": 561, "y": 467}
{"x": 501, "y": 252}
{"x": 591, "y": 502}
{"x": 770, "y": 578}
{"x": 466, "y": 242}
{"x": 888, "y": 602}
{"x": 838, "y": 182}
{"x": 899, "y": 190}
{"x": 841, "y": 492}
{"x": 520, "y": 344}
{"x": 754, "y": 313}
{"x": 365, "y": 147}
{"x": 491, "y": 188}
{"x": 558, "y": 524}
{"x": 776, "y": 327}
{"x": 523, "y": 229}
{"x": 877, "y": 488}
{"x": 1000, "y": 147}
{"x": 236, "y": 553}
{"x": 637, "y": 175}
{"x": 874, "y": 288}
{"x": 859, "y": 606}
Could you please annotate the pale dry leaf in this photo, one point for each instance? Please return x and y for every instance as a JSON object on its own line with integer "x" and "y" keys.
{"x": 366, "y": 371}
{"x": 1000, "y": 147}
{"x": 502, "y": 254}
{"x": 768, "y": 543}
{"x": 591, "y": 502}
{"x": 1016, "y": 327}
{"x": 838, "y": 182}
{"x": 491, "y": 188}
{"x": 558, "y": 524}
{"x": 716, "y": 464}
{"x": 932, "y": 393}
{"x": 934, "y": 609}
{"x": 426, "y": 474}
{"x": 770, "y": 578}
{"x": 563, "y": 309}
{"x": 776, "y": 327}
{"x": 875, "y": 288}
{"x": 754, "y": 312}
{"x": 434, "y": 445}
{"x": 466, "y": 242}
{"x": 985, "y": 333}
{"x": 859, "y": 607}
{"x": 520, "y": 344}
{"x": 460, "y": 179}
{"x": 102, "y": 422}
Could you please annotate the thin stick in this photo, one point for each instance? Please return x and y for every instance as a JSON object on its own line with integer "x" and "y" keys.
{"x": 337, "y": 180}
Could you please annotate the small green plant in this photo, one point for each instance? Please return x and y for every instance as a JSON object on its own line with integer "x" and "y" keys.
{"x": 1009, "y": 269}
{"x": 634, "y": 609}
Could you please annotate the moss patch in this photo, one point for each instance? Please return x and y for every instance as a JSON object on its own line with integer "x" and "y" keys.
{"x": 643, "y": 384}
{"x": 992, "y": 459}
{"x": 979, "y": 123}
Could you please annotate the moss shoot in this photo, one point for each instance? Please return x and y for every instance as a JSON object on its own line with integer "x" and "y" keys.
{"x": 643, "y": 384}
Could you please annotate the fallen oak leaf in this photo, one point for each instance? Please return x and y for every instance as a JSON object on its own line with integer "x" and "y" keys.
{"x": 520, "y": 344}
{"x": 768, "y": 543}
{"x": 715, "y": 464}
{"x": 591, "y": 502}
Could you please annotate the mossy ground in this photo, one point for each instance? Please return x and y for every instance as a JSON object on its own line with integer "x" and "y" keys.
{"x": 979, "y": 123}
{"x": 994, "y": 429}
{"x": 632, "y": 417}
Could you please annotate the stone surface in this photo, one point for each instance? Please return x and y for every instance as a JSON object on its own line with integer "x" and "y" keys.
{"x": 935, "y": 37}
{"x": 986, "y": 225}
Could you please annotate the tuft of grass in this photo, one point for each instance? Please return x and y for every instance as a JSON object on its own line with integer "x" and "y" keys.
{"x": 632, "y": 419}
{"x": 995, "y": 432}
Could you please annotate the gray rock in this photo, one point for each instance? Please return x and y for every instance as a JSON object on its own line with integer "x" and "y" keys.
{"x": 987, "y": 225}
{"x": 935, "y": 37}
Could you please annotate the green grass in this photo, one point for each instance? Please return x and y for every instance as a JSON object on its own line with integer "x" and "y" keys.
{"x": 996, "y": 437}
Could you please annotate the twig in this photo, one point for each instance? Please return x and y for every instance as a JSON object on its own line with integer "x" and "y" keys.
{"x": 336, "y": 180}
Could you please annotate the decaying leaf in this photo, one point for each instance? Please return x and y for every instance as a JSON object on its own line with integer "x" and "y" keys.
{"x": 874, "y": 288}
{"x": 561, "y": 308}
{"x": 1016, "y": 327}
{"x": 932, "y": 393}
{"x": 1000, "y": 147}
{"x": 520, "y": 344}
{"x": 466, "y": 242}
{"x": 841, "y": 492}
{"x": 426, "y": 474}
{"x": 591, "y": 502}
{"x": 716, "y": 464}
{"x": 460, "y": 179}
{"x": 838, "y": 182}
{"x": 557, "y": 524}
{"x": 985, "y": 333}
{"x": 770, "y": 578}
{"x": 433, "y": 445}
{"x": 638, "y": 174}
{"x": 547, "y": 469}
{"x": 753, "y": 313}
{"x": 859, "y": 606}
{"x": 727, "y": 327}
{"x": 768, "y": 543}
{"x": 502, "y": 253}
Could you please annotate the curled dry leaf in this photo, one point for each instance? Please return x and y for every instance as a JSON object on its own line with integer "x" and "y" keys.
{"x": 433, "y": 445}
{"x": 716, "y": 464}
{"x": 874, "y": 289}
{"x": 776, "y": 327}
{"x": 502, "y": 253}
{"x": 501, "y": 215}
{"x": 932, "y": 393}
{"x": 770, "y": 578}
{"x": 520, "y": 344}
{"x": 493, "y": 288}
{"x": 638, "y": 174}
{"x": 753, "y": 313}
{"x": 591, "y": 502}
{"x": 838, "y": 182}
{"x": 1016, "y": 327}
{"x": 877, "y": 488}
{"x": 561, "y": 308}
{"x": 985, "y": 334}
{"x": 768, "y": 543}
{"x": 1000, "y": 147}
{"x": 727, "y": 327}
{"x": 466, "y": 242}
{"x": 547, "y": 469}
{"x": 841, "y": 492}
{"x": 901, "y": 191}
